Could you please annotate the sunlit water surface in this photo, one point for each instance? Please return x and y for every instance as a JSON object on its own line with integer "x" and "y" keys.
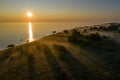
{"x": 19, "y": 33}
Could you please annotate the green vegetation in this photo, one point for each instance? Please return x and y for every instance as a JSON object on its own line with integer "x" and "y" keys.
{"x": 63, "y": 56}
{"x": 78, "y": 38}
{"x": 109, "y": 27}
{"x": 94, "y": 37}
{"x": 66, "y": 31}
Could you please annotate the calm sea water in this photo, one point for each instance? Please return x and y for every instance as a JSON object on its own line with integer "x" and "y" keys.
{"x": 18, "y": 33}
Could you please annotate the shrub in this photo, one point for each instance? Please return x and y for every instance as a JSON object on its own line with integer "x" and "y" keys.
{"x": 75, "y": 32}
{"x": 103, "y": 28}
{"x": 113, "y": 28}
{"x": 11, "y": 46}
{"x": 54, "y": 32}
{"x": 65, "y": 31}
{"x": 93, "y": 28}
{"x": 85, "y": 30}
{"x": 75, "y": 36}
{"x": 94, "y": 37}
{"x": 79, "y": 39}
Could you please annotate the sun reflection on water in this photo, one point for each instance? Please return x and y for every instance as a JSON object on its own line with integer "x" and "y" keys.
{"x": 30, "y": 32}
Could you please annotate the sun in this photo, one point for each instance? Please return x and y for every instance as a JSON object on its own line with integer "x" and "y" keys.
{"x": 29, "y": 14}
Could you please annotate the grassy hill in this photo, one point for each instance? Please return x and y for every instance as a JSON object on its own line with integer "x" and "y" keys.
{"x": 78, "y": 54}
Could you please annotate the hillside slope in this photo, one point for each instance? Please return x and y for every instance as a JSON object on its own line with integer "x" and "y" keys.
{"x": 74, "y": 54}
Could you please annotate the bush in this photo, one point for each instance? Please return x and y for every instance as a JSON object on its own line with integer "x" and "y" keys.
{"x": 75, "y": 32}
{"x": 11, "y": 46}
{"x": 65, "y": 31}
{"x": 79, "y": 39}
{"x": 54, "y": 32}
{"x": 75, "y": 36}
{"x": 93, "y": 28}
{"x": 85, "y": 30}
{"x": 94, "y": 37}
{"x": 113, "y": 28}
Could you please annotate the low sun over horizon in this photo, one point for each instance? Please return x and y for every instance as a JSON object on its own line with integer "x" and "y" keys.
{"x": 59, "y": 40}
{"x": 60, "y": 10}
{"x": 29, "y": 14}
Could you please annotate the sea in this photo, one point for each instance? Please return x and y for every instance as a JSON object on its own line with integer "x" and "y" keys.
{"x": 19, "y": 33}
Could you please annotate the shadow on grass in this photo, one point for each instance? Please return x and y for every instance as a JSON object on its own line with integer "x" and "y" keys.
{"x": 59, "y": 74}
{"x": 76, "y": 68}
{"x": 31, "y": 67}
{"x": 102, "y": 47}
{"x": 5, "y": 55}
{"x": 108, "y": 56}
{"x": 105, "y": 51}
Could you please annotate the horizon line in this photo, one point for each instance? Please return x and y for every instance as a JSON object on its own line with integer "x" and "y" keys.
{"x": 58, "y": 21}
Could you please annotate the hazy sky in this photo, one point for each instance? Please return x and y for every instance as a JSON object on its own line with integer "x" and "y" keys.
{"x": 58, "y": 10}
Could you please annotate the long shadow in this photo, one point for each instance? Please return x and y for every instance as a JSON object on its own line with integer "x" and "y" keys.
{"x": 109, "y": 57}
{"x": 108, "y": 53}
{"x": 5, "y": 56}
{"x": 31, "y": 67}
{"x": 58, "y": 73}
{"x": 75, "y": 67}
{"x": 105, "y": 49}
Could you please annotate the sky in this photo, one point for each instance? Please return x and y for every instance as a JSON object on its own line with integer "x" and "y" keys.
{"x": 60, "y": 10}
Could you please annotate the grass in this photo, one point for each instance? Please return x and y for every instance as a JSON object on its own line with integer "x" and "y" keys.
{"x": 62, "y": 56}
